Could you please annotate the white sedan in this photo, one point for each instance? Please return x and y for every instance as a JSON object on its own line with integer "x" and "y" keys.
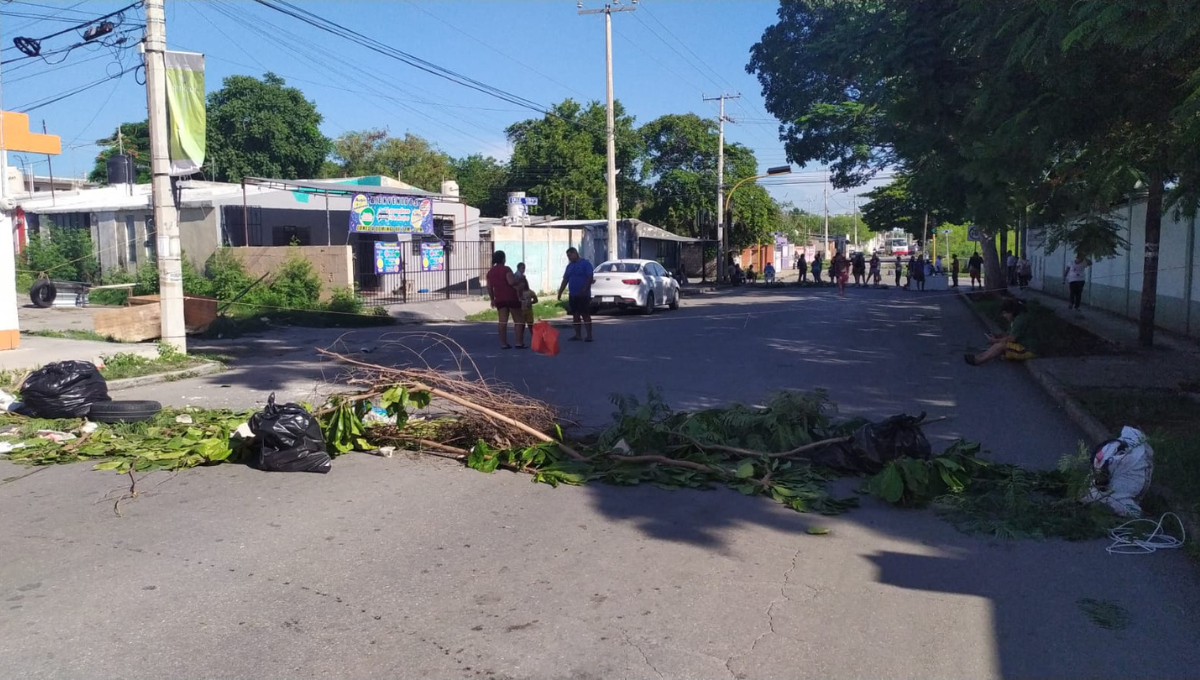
{"x": 640, "y": 284}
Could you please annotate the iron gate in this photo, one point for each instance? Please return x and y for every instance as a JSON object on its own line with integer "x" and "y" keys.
{"x": 459, "y": 272}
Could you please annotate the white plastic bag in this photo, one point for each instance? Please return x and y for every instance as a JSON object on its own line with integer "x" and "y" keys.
{"x": 1121, "y": 471}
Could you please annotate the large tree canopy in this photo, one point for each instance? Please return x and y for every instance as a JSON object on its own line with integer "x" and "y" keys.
{"x": 410, "y": 158}
{"x": 262, "y": 128}
{"x": 562, "y": 157}
{"x": 483, "y": 183}
{"x": 681, "y": 164}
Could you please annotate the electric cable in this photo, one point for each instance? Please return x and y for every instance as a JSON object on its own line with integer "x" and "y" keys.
{"x": 1127, "y": 540}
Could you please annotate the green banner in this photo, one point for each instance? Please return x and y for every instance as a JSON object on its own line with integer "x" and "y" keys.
{"x": 185, "y": 111}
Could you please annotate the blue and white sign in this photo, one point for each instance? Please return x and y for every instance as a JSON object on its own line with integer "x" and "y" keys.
{"x": 387, "y": 214}
{"x": 522, "y": 200}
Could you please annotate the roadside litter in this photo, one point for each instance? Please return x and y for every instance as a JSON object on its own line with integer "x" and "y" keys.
{"x": 1121, "y": 471}
{"x": 63, "y": 389}
{"x": 287, "y": 438}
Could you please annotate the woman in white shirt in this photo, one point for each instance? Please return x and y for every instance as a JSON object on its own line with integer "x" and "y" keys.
{"x": 1074, "y": 276}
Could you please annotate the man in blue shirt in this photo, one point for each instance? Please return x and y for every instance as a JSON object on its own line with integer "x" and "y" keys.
{"x": 579, "y": 277}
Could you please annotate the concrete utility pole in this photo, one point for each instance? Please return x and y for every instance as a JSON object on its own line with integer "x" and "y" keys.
{"x": 722, "y": 235}
{"x": 611, "y": 126}
{"x": 825, "y": 246}
{"x": 166, "y": 217}
{"x": 854, "y": 209}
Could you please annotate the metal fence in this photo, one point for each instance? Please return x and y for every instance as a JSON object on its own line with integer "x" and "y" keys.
{"x": 459, "y": 273}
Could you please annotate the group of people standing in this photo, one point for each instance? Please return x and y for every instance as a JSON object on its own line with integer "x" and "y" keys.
{"x": 512, "y": 297}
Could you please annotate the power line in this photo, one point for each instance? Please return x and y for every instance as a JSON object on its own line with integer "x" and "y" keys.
{"x": 374, "y": 45}
{"x": 33, "y": 106}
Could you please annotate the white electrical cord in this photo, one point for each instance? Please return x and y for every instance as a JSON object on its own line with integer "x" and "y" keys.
{"x": 1129, "y": 541}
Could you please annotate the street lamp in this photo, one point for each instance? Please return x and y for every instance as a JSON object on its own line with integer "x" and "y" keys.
{"x": 771, "y": 172}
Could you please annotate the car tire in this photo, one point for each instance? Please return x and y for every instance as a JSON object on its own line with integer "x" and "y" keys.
{"x": 649, "y": 308}
{"x": 675, "y": 301}
{"x": 42, "y": 293}
{"x": 123, "y": 411}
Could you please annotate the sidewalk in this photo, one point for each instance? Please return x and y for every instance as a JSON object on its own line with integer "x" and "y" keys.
{"x": 36, "y": 351}
{"x": 1172, "y": 364}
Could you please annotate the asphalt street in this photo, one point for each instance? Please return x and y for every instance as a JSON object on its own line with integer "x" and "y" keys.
{"x": 410, "y": 567}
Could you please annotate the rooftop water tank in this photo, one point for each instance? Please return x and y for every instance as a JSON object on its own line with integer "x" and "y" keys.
{"x": 120, "y": 169}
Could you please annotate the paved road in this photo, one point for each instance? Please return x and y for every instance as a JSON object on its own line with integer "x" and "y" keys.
{"x": 416, "y": 568}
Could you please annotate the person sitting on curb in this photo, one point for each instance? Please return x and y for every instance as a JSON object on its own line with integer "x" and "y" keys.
{"x": 1016, "y": 345}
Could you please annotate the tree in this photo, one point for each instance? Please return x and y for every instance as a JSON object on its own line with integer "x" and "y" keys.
{"x": 135, "y": 140}
{"x": 562, "y": 157}
{"x": 482, "y": 182}
{"x": 865, "y": 86}
{"x": 411, "y": 159}
{"x": 262, "y": 128}
{"x": 681, "y": 161}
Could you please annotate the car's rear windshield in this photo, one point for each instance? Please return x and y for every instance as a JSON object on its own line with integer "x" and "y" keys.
{"x": 620, "y": 267}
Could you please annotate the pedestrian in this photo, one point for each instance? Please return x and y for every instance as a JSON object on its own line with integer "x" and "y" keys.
{"x": 802, "y": 268}
{"x": 937, "y": 266}
{"x": 954, "y": 271}
{"x": 910, "y": 274}
{"x": 975, "y": 268}
{"x": 1024, "y": 272}
{"x": 1019, "y": 344}
{"x": 859, "y": 266}
{"x": 1074, "y": 276}
{"x": 816, "y": 269}
{"x": 1010, "y": 267}
{"x": 919, "y": 272}
{"x": 502, "y": 292}
{"x": 527, "y": 297}
{"x": 751, "y": 275}
{"x": 578, "y": 278}
{"x": 769, "y": 273}
{"x": 899, "y": 270}
{"x": 876, "y": 265}
{"x": 839, "y": 270}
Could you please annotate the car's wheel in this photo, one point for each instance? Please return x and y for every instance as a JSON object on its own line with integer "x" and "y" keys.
{"x": 123, "y": 411}
{"x": 649, "y": 308}
{"x": 42, "y": 293}
{"x": 594, "y": 309}
{"x": 675, "y": 300}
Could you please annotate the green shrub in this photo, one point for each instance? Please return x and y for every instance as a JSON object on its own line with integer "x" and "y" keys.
{"x": 66, "y": 254}
{"x": 344, "y": 301}
{"x": 295, "y": 285}
{"x": 225, "y": 275}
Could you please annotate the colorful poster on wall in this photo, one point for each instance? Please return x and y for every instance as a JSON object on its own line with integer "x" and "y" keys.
{"x": 385, "y": 214}
{"x": 387, "y": 258}
{"x": 433, "y": 257}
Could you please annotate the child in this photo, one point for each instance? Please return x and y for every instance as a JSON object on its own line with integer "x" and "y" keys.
{"x": 528, "y": 299}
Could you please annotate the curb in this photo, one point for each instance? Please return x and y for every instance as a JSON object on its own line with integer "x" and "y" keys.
{"x": 1051, "y": 386}
{"x": 207, "y": 368}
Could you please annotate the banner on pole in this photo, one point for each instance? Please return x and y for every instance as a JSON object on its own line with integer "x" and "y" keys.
{"x": 386, "y": 214}
{"x": 186, "y": 117}
{"x": 387, "y": 258}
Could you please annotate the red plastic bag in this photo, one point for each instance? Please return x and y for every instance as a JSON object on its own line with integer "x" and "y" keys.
{"x": 545, "y": 338}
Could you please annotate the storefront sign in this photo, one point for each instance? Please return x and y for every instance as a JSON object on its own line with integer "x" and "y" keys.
{"x": 387, "y": 258}
{"x": 384, "y": 214}
{"x": 433, "y": 257}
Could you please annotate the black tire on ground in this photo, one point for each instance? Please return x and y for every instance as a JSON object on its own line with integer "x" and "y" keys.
{"x": 123, "y": 411}
{"x": 649, "y": 308}
{"x": 42, "y": 293}
{"x": 675, "y": 301}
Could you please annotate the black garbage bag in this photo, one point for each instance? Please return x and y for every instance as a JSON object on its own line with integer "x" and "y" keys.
{"x": 287, "y": 439}
{"x": 875, "y": 444}
{"x": 64, "y": 389}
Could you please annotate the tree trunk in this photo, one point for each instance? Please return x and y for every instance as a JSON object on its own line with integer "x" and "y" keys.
{"x": 1154, "y": 204}
{"x": 993, "y": 274}
{"x": 1002, "y": 251}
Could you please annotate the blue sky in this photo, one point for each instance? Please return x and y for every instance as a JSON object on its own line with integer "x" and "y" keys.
{"x": 667, "y": 55}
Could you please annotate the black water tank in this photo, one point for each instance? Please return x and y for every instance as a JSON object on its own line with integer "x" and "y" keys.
{"x": 120, "y": 169}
